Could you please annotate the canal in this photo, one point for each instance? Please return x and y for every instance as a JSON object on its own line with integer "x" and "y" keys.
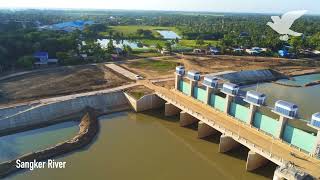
{"x": 142, "y": 146}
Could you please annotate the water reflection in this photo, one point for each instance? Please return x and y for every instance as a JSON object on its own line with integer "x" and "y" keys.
{"x": 15, "y": 145}
{"x": 119, "y": 43}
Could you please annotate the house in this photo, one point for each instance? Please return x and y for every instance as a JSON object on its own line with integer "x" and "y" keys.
{"x": 199, "y": 51}
{"x": 316, "y": 52}
{"x": 118, "y": 50}
{"x": 309, "y": 52}
{"x": 165, "y": 52}
{"x": 283, "y": 53}
{"x": 84, "y": 56}
{"x": 237, "y": 50}
{"x": 214, "y": 50}
{"x": 254, "y": 51}
{"x": 244, "y": 34}
{"x": 42, "y": 58}
{"x": 68, "y": 26}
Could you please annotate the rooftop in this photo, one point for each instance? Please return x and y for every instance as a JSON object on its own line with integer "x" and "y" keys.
{"x": 286, "y": 105}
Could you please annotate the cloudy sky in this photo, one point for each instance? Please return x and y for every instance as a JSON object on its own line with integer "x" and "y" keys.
{"x": 262, "y": 6}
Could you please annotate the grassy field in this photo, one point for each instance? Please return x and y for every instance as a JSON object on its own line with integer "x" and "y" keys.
{"x": 153, "y": 42}
{"x": 127, "y": 30}
{"x": 192, "y": 43}
{"x": 147, "y": 54}
{"x": 156, "y": 65}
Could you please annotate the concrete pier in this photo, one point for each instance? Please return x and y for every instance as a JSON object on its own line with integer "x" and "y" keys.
{"x": 171, "y": 110}
{"x": 208, "y": 94}
{"x": 177, "y": 80}
{"x": 289, "y": 172}
{"x": 227, "y": 144}
{"x": 316, "y": 149}
{"x": 282, "y": 123}
{"x": 228, "y": 103}
{"x": 255, "y": 161}
{"x": 186, "y": 119}
{"x": 192, "y": 85}
{"x": 205, "y": 130}
{"x": 253, "y": 109}
{"x": 147, "y": 102}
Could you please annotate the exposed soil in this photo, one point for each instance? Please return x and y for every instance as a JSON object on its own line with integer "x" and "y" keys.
{"x": 237, "y": 63}
{"x": 164, "y": 68}
{"x": 153, "y": 67}
{"x": 58, "y": 81}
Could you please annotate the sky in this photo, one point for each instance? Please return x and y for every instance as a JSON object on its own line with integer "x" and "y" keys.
{"x": 260, "y": 6}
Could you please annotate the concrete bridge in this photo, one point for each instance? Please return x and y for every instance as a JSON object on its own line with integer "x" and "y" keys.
{"x": 292, "y": 162}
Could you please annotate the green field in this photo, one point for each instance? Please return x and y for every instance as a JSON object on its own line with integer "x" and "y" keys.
{"x": 182, "y": 45}
{"x": 156, "y": 65}
{"x": 129, "y": 30}
{"x": 192, "y": 43}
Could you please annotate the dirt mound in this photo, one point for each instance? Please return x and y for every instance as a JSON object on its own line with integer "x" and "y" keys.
{"x": 58, "y": 81}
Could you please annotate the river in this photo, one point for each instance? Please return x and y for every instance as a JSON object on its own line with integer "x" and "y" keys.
{"x": 146, "y": 146}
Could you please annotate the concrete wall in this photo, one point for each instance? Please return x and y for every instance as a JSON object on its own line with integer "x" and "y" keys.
{"x": 50, "y": 112}
{"x": 9, "y": 111}
{"x": 147, "y": 102}
{"x": 253, "y": 76}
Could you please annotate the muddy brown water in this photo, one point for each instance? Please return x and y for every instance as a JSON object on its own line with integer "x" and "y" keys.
{"x": 147, "y": 146}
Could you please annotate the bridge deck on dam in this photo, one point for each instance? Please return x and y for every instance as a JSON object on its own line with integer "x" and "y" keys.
{"x": 274, "y": 147}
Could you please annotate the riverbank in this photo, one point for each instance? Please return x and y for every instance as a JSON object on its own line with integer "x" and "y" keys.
{"x": 314, "y": 83}
{"x": 89, "y": 127}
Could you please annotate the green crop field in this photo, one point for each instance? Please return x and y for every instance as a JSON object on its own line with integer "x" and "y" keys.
{"x": 156, "y": 65}
{"x": 127, "y": 30}
{"x": 192, "y": 43}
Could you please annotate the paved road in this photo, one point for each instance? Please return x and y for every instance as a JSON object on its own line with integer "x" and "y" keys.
{"x": 276, "y": 147}
{"x": 122, "y": 71}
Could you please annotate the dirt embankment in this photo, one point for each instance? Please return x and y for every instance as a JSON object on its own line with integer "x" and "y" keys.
{"x": 88, "y": 129}
{"x": 58, "y": 81}
{"x": 213, "y": 64}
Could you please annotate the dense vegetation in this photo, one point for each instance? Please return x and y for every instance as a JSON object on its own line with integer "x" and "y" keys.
{"x": 20, "y": 38}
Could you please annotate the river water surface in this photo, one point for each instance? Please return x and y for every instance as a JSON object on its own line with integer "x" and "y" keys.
{"x": 147, "y": 146}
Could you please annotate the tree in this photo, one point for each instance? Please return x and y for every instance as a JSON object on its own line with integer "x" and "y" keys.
{"x": 177, "y": 40}
{"x": 199, "y": 42}
{"x": 159, "y": 47}
{"x": 26, "y": 62}
{"x": 314, "y": 41}
{"x": 168, "y": 46}
{"x": 63, "y": 57}
{"x": 110, "y": 46}
{"x": 127, "y": 50}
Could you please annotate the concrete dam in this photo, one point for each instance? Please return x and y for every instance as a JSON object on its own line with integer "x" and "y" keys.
{"x": 239, "y": 125}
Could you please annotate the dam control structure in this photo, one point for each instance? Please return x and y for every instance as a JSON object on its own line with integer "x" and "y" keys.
{"x": 295, "y": 151}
